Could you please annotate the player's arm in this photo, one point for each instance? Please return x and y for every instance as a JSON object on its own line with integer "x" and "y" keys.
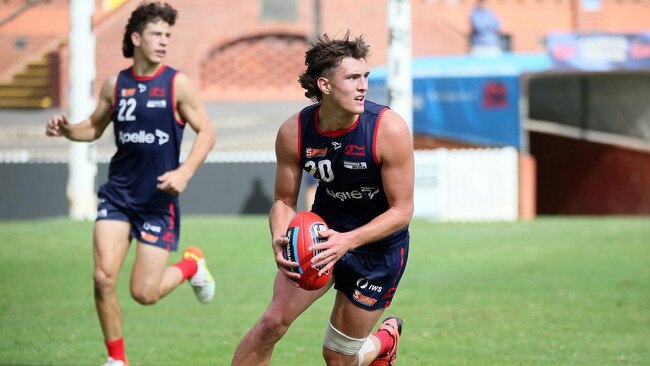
{"x": 91, "y": 128}
{"x": 395, "y": 151}
{"x": 288, "y": 175}
{"x": 191, "y": 110}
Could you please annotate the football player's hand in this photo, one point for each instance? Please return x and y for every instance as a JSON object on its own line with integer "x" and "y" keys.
{"x": 56, "y": 126}
{"x": 333, "y": 248}
{"x": 174, "y": 181}
{"x": 284, "y": 265}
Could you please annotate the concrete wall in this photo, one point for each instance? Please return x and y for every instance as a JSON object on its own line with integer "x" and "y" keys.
{"x": 32, "y": 190}
{"x": 35, "y": 190}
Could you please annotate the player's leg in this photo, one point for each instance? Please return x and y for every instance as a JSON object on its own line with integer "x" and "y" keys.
{"x": 287, "y": 304}
{"x": 157, "y": 232}
{"x": 365, "y": 285}
{"x": 110, "y": 246}
{"x": 383, "y": 349}
{"x": 195, "y": 269}
{"x": 151, "y": 278}
{"x": 347, "y": 333}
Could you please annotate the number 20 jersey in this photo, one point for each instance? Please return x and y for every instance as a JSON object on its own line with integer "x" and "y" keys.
{"x": 147, "y": 135}
{"x": 350, "y": 192}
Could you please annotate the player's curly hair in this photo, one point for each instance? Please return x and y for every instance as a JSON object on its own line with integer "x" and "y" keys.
{"x": 144, "y": 14}
{"x": 326, "y": 54}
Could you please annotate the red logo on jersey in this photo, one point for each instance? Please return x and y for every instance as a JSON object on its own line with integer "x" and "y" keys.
{"x": 169, "y": 237}
{"x": 310, "y": 152}
{"x": 157, "y": 92}
{"x": 127, "y": 92}
{"x": 363, "y": 299}
{"x": 148, "y": 237}
{"x": 389, "y": 296}
{"x": 355, "y": 150}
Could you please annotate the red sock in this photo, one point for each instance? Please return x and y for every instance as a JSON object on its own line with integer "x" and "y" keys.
{"x": 188, "y": 267}
{"x": 116, "y": 349}
{"x": 386, "y": 341}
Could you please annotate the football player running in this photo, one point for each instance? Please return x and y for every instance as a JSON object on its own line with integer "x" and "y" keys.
{"x": 361, "y": 153}
{"x": 149, "y": 104}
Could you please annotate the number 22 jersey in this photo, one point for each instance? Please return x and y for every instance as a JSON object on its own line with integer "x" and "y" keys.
{"x": 147, "y": 135}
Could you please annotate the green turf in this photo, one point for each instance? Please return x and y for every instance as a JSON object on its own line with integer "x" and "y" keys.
{"x": 556, "y": 291}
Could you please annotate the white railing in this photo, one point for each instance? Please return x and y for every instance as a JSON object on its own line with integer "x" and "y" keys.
{"x": 467, "y": 184}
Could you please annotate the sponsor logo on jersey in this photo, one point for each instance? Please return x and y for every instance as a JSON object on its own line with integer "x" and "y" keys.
{"x": 336, "y": 145}
{"x": 356, "y": 165}
{"x": 162, "y": 136}
{"x": 157, "y": 92}
{"x": 355, "y": 150}
{"x": 363, "y": 192}
{"x": 142, "y": 88}
{"x": 127, "y": 92}
{"x": 363, "y": 299}
{"x": 157, "y": 103}
{"x": 151, "y": 238}
{"x": 143, "y": 137}
{"x": 310, "y": 152}
{"x": 363, "y": 284}
{"x": 151, "y": 227}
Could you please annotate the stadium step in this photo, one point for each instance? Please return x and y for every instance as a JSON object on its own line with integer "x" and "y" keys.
{"x": 29, "y": 88}
{"x": 36, "y": 71}
{"x": 33, "y": 102}
{"x": 18, "y": 91}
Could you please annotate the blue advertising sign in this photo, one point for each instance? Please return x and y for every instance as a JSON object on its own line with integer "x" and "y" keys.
{"x": 466, "y": 99}
{"x": 480, "y": 110}
{"x": 599, "y": 51}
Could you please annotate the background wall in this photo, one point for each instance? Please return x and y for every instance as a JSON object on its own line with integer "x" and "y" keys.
{"x": 577, "y": 177}
{"x": 35, "y": 190}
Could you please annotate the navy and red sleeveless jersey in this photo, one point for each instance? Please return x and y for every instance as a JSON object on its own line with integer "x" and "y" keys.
{"x": 350, "y": 191}
{"x": 147, "y": 134}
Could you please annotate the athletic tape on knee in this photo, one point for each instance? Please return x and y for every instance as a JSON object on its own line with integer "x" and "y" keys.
{"x": 341, "y": 343}
{"x": 368, "y": 346}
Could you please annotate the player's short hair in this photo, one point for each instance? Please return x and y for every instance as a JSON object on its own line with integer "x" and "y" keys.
{"x": 144, "y": 14}
{"x": 326, "y": 54}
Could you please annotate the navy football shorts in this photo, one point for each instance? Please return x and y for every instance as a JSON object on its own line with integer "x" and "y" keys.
{"x": 370, "y": 280}
{"x": 157, "y": 225}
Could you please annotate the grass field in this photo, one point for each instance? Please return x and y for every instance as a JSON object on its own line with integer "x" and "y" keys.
{"x": 556, "y": 291}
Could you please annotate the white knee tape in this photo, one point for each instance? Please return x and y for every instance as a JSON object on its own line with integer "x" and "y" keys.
{"x": 341, "y": 343}
{"x": 367, "y": 347}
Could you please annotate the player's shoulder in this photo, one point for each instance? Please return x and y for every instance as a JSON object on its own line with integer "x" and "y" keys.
{"x": 290, "y": 128}
{"x": 181, "y": 80}
{"x": 290, "y": 125}
{"x": 392, "y": 122}
{"x": 184, "y": 88}
{"x": 393, "y": 133}
{"x": 111, "y": 79}
{"x": 287, "y": 138}
{"x": 108, "y": 86}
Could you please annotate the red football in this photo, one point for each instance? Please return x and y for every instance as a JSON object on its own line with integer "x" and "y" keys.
{"x": 302, "y": 233}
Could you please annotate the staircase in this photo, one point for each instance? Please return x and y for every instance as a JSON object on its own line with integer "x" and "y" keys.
{"x": 27, "y": 29}
{"x": 33, "y": 87}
